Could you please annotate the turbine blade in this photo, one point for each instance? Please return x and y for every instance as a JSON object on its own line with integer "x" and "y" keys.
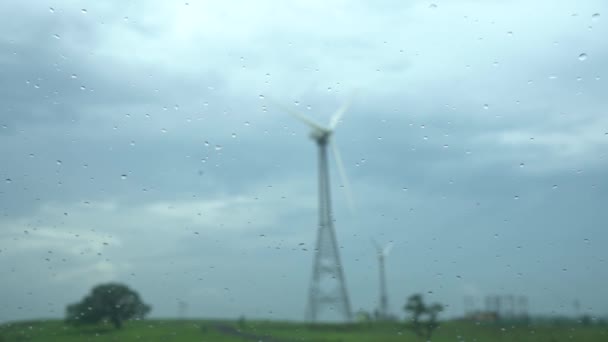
{"x": 345, "y": 183}
{"x": 297, "y": 115}
{"x": 376, "y": 245}
{"x": 387, "y": 249}
{"x": 335, "y": 119}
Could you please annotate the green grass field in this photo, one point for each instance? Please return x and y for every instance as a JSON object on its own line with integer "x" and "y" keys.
{"x": 199, "y": 330}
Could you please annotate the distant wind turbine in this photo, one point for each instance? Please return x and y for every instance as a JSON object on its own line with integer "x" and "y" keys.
{"x": 382, "y": 253}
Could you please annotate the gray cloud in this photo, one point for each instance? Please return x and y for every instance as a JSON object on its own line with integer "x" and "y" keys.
{"x": 199, "y": 185}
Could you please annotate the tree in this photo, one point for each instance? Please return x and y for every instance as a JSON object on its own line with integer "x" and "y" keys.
{"x": 415, "y": 306}
{"x": 113, "y": 302}
{"x": 418, "y": 310}
{"x": 431, "y": 324}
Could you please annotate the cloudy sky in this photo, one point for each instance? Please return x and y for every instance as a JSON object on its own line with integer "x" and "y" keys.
{"x": 138, "y": 145}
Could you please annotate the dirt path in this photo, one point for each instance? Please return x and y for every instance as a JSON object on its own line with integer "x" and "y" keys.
{"x": 229, "y": 330}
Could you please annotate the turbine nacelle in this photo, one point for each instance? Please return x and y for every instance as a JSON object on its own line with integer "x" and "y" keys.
{"x": 382, "y": 252}
{"x": 321, "y": 136}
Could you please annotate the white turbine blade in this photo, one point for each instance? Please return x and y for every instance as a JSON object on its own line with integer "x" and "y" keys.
{"x": 387, "y": 249}
{"x": 297, "y": 115}
{"x": 335, "y": 119}
{"x": 345, "y": 183}
{"x": 376, "y": 245}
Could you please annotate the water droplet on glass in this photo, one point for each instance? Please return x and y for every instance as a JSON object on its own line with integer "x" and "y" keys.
{"x": 516, "y": 197}
{"x": 522, "y": 164}
{"x": 83, "y": 87}
{"x": 433, "y": 6}
{"x": 218, "y": 147}
{"x": 58, "y": 162}
{"x": 74, "y": 76}
{"x": 261, "y": 97}
{"x": 595, "y": 17}
{"x": 8, "y": 180}
{"x": 247, "y": 123}
{"x": 554, "y": 186}
{"x": 57, "y": 36}
{"x": 233, "y": 135}
{"x": 51, "y": 9}
{"x": 582, "y": 57}
{"x": 84, "y": 11}
{"x": 486, "y": 106}
{"x": 163, "y": 130}
{"x": 123, "y": 176}
{"x": 510, "y": 33}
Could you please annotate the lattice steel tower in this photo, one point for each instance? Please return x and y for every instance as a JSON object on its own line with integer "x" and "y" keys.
{"x": 327, "y": 287}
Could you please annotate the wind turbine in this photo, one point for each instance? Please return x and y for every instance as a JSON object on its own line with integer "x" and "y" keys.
{"x": 327, "y": 287}
{"x": 382, "y": 253}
